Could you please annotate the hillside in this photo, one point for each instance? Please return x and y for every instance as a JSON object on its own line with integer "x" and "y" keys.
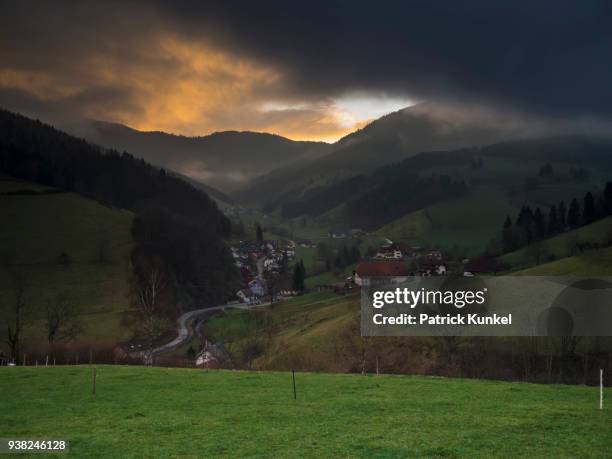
{"x": 194, "y": 413}
{"x": 420, "y": 128}
{"x": 498, "y": 180}
{"x": 563, "y": 245}
{"x": 176, "y": 224}
{"x": 225, "y": 160}
{"x": 61, "y": 244}
{"x": 80, "y": 222}
{"x": 590, "y": 263}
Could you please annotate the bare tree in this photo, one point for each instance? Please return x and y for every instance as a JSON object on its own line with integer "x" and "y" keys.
{"x": 62, "y": 324}
{"x": 20, "y": 315}
{"x": 150, "y": 293}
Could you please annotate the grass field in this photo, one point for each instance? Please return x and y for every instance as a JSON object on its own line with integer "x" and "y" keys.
{"x": 160, "y": 412}
{"x": 64, "y": 244}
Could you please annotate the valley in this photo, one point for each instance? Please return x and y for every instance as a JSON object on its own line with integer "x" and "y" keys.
{"x": 296, "y": 261}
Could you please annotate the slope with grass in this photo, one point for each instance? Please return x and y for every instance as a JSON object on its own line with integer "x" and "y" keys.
{"x": 312, "y": 331}
{"x": 63, "y": 244}
{"x": 562, "y": 245}
{"x": 194, "y": 413}
{"x": 588, "y": 263}
{"x": 406, "y": 228}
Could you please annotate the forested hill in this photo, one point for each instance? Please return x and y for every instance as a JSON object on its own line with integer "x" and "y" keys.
{"x": 175, "y": 222}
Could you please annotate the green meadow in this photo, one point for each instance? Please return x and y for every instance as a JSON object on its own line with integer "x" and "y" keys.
{"x": 64, "y": 244}
{"x": 164, "y": 412}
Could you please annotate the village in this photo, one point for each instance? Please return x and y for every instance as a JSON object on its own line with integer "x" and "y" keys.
{"x": 266, "y": 266}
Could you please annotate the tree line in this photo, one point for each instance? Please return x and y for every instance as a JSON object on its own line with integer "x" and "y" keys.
{"x": 534, "y": 225}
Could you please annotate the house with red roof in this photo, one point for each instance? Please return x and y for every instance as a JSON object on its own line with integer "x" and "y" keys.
{"x": 385, "y": 271}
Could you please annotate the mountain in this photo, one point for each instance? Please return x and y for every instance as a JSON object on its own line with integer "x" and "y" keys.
{"x": 225, "y": 160}
{"x": 176, "y": 225}
{"x": 420, "y": 128}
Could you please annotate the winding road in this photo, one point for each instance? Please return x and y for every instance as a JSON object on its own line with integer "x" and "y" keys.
{"x": 186, "y": 322}
{"x": 185, "y": 325}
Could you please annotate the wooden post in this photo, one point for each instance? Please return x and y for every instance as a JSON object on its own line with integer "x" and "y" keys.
{"x": 294, "y": 391}
{"x": 24, "y": 360}
{"x": 53, "y": 360}
{"x": 601, "y": 388}
{"x": 93, "y": 387}
{"x": 47, "y": 360}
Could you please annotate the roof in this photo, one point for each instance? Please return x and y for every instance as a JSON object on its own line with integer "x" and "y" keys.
{"x": 382, "y": 269}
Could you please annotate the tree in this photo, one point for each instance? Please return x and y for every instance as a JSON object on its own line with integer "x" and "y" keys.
{"x": 19, "y": 315}
{"x": 553, "y": 222}
{"x": 573, "y": 214}
{"x": 259, "y": 234}
{"x": 539, "y": 224}
{"x": 299, "y": 274}
{"x": 238, "y": 229}
{"x": 511, "y": 236}
{"x": 588, "y": 214}
{"x": 546, "y": 170}
{"x": 562, "y": 216}
{"x": 607, "y": 197}
{"x": 150, "y": 294}
{"x": 61, "y": 319}
{"x": 251, "y": 350}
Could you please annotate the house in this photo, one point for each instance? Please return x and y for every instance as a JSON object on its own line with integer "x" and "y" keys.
{"x": 257, "y": 287}
{"x": 392, "y": 253}
{"x": 245, "y": 295}
{"x": 338, "y": 233}
{"x": 386, "y": 272}
{"x": 211, "y": 356}
{"x": 440, "y": 270}
{"x": 432, "y": 269}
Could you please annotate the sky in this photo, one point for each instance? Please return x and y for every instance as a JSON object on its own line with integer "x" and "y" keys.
{"x": 308, "y": 70}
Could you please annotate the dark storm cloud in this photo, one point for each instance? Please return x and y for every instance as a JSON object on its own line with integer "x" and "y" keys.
{"x": 552, "y": 56}
{"x": 105, "y": 59}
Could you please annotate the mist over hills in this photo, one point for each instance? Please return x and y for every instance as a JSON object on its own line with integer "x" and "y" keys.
{"x": 421, "y": 128}
{"x": 256, "y": 168}
{"x": 225, "y": 160}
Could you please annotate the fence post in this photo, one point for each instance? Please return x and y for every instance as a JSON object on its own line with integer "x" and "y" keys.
{"x": 294, "y": 391}
{"x": 93, "y": 388}
{"x": 601, "y": 388}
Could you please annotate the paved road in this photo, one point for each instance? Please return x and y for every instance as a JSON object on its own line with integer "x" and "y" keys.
{"x": 186, "y": 322}
{"x": 185, "y": 325}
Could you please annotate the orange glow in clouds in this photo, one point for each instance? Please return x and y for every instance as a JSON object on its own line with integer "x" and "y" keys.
{"x": 191, "y": 89}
